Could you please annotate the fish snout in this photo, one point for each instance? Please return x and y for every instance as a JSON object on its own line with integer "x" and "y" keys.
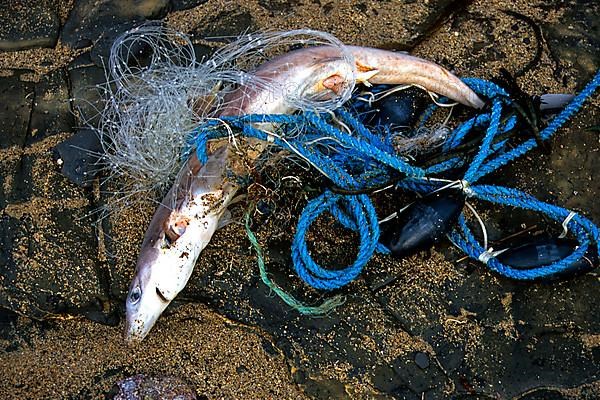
{"x": 134, "y": 331}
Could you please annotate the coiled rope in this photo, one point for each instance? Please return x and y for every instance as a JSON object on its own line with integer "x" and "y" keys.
{"x": 357, "y": 159}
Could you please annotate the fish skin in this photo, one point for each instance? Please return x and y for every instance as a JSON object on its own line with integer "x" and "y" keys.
{"x": 397, "y": 68}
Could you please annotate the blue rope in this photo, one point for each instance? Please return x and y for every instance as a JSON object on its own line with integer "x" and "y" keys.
{"x": 362, "y": 158}
{"x": 359, "y": 212}
{"x": 584, "y": 230}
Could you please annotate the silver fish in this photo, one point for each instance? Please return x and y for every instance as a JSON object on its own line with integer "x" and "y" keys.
{"x": 186, "y": 220}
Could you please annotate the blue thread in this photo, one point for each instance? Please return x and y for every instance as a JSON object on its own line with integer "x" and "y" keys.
{"x": 361, "y": 159}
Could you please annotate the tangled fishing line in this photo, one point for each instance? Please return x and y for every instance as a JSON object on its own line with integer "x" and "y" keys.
{"x": 169, "y": 104}
{"x": 158, "y": 93}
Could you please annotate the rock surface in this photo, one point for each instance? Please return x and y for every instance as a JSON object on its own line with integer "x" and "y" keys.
{"x": 78, "y": 157}
{"x": 87, "y": 81}
{"x": 51, "y": 108}
{"x": 17, "y": 99}
{"x": 47, "y": 239}
{"x": 28, "y": 24}
{"x": 99, "y": 23}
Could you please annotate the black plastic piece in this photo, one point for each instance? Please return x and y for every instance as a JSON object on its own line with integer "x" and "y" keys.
{"x": 400, "y": 109}
{"x": 78, "y": 157}
{"x": 546, "y": 252}
{"x": 423, "y": 223}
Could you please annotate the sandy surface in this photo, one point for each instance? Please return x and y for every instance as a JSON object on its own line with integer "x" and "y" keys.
{"x": 68, "y": 358}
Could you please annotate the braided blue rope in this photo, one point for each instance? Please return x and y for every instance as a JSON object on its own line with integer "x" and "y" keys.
{"x": 557, "y": 122}
{"x": 360, "y": 213}
{"x": 583, "y": 229}
{"x": 361, "y": 159}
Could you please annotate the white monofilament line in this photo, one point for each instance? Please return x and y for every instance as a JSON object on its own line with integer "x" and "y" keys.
{"x": 150, "y": 112}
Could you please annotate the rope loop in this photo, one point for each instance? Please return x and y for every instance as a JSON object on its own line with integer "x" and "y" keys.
{"x": 354, "y": 212}
{"x": 584, "y": 230}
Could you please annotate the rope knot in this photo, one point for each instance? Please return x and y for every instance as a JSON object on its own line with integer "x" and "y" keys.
{"x": 466, "y": 188}
{"x": 489, "y": 254}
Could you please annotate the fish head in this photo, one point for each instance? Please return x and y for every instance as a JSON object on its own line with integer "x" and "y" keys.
{"x": 162, "y": 271}
{"x": 311, "y": 78}
{"x": 173, "y": 242}
{"x": 144, "y": 302}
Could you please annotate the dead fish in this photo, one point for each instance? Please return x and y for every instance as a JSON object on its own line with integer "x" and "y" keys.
{"x": 186, "y": 220}
{"x": 319, "y": 72}
{"x": 176, "y": 237}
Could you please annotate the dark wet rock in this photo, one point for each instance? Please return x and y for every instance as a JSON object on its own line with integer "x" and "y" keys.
{"x": 9, "y": 168}
{"x": 87, "y": 82}
{"x": 78, "y": 157}
{"x": 20, "y": 187}
{"x": 142, "y": 387}
{"x": 325, "y": 389}
{"x": 49, "y": 262}
{"x": 98, "y": 23}
{"x": 51, "y": 109}
{"x": 404, "y": 376}
{"x": 31, "y": 175}
{"x": 225, "y": 25}
{"x": 90, "y": 20}
{"x": 313, "y": 343}
{"x": 99, "y": 54}
{"x": 27, "y": 24}
{"x": 46, "y": 269}
{"x": 15, "y": 109}
{"x": 178, "y": 5}
{"x": 7, "y": 319}
{"x": 202, "y": 51}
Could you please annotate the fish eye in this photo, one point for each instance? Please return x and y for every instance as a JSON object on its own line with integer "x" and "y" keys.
{"x": 136, "y": 295}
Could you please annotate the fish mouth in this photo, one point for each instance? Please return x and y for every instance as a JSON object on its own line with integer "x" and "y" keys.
{"x": 135, "y": 331}
{"x": 132, "y": 337}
